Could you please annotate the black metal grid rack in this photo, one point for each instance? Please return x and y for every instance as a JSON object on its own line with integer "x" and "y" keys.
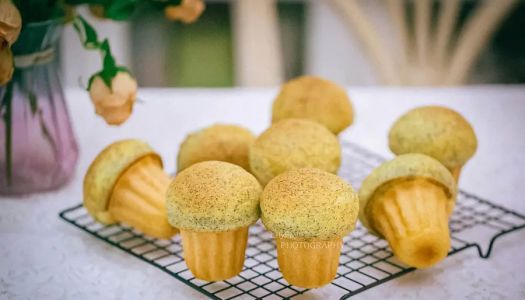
{"x": 366, "y": 261}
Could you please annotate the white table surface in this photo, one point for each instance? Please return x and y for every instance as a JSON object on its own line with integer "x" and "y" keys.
{"x": 42, "y": 257}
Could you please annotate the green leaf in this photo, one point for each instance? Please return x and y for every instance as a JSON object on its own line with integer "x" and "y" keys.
{"x": 106, "y": 76}
{"x": 86, "y": 32}
{"x": 123, "y": 69}
{"x": 109, "y": 67}
{"x": 120, "y": 10}
{"x": 161, "y": 4}
{"x": 90, "y": 81}
{"x": 108, "y": 60}
{"x": 80, "y": 2}
{"x": 89, "y": 39}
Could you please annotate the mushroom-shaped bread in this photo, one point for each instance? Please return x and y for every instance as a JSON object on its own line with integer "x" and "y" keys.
{"x": 309, "y": 211}
{"x": 314, "y": 98}
{"x": 408, "y": 201}
{"x": 292, "y": 144}
{"x": 229, "y": 143}
{"x": 436, "y": 131}
{"x": 126, "y": 183}
{"x": 213, "y": 203}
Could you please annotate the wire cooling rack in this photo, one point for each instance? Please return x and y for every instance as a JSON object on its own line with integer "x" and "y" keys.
{"x": 366, "y": 261}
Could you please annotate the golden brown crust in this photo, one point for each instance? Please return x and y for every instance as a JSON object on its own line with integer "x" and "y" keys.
{"x": 229, "y": 143}
{"x": 291, "y": 144}
{"x": 106, "y": 169}
{"x": 435, "y": 131}
{"x": 309, "y": 203}
{"x": 213, "y": 196}
{"x": 316, "y": 99}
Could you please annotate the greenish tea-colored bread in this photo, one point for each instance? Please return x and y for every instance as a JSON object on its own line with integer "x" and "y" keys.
{"x": 214, "y": 203}
{"x": 213, "y": 196}
{"x": 291, "y": 144}
{"x": 229, "y": 143}
{"x": 408, "y": 201}
{"x": 309, "y": 203}
{"x": 436, "y": 131}
{"x": 126, "y": 183}
{"x": 106, "y": 169}
{"x": 309, "y": 211}
{"x": 405, "y": 166}
{"x": 314, "y": 98}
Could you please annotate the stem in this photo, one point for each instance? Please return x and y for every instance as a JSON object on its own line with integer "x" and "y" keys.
{"x": 8, "y": 102}
{"x": 89, "y": 39}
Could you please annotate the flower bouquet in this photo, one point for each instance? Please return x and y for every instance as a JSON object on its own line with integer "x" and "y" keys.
{"x": 38, "y": 150}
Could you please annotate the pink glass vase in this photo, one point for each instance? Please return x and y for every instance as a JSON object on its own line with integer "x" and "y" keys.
{"x": 38, "y": 151}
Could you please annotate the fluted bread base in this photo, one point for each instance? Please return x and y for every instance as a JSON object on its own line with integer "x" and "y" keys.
{"x": 214, "y": 256}
{"x": 412, "y": 215}
{"x": 139, "y": 199}
{"x": 455, "y": 173}
{"x": 308, "y": 264}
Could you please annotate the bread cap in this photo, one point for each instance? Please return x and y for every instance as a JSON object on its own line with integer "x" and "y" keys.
{"x": 291, "y": 144}
{"x": 213, "y": 196}
{"x": 314, "y": 98}
{"x": 407, "y": 166}
{"x": 229, "y": 143}
{"x": 309, "y": 204}
{"x": 435, "y": 131}
{"x": 104, "y": 172}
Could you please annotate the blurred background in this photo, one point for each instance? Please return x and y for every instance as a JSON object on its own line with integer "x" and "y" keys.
{"x": 353, "y": 42}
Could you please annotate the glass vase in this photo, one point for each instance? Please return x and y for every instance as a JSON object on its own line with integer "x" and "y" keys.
{"x": 38, "y": 151}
